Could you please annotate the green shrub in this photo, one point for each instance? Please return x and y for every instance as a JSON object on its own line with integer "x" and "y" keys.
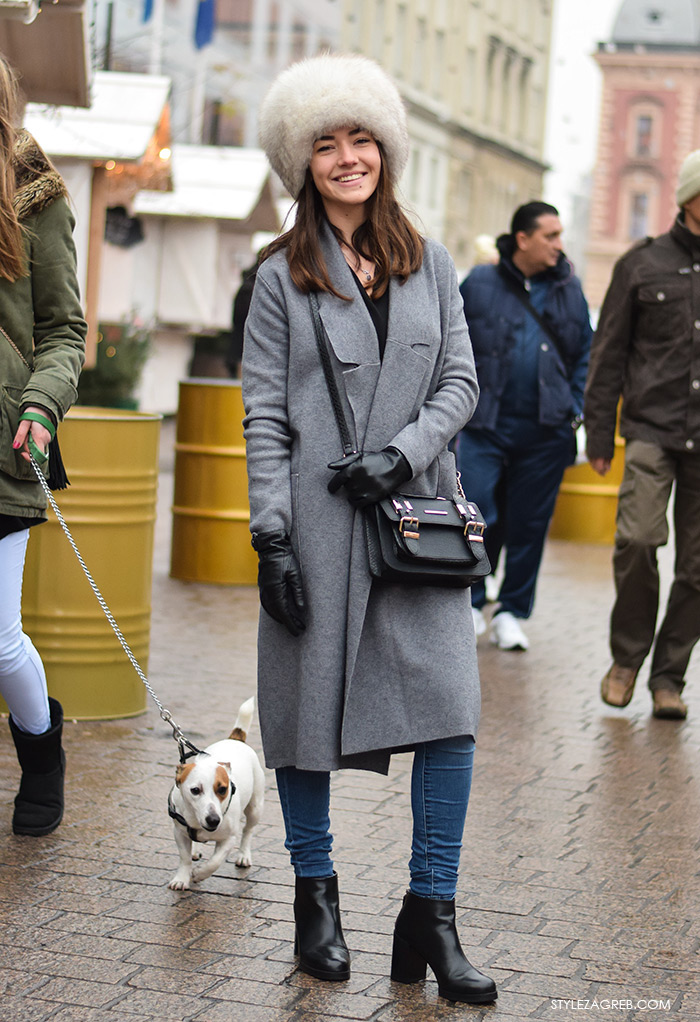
{"x": 122, "y": 351}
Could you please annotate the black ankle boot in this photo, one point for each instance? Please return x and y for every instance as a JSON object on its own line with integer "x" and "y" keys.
{"x": 319, "y": 939}
{"x": 39, "y": 802}
{"x": 425, "y": 933}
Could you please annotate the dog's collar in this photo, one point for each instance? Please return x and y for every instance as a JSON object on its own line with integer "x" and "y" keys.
{"x": 179, "y": 818}
{"x": 183, "y": 742}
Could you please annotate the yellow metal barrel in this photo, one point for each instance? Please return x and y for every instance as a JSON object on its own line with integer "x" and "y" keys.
{"x": 211, "y": 537}
{"x": 111, "y": 458}
{"x": 587, "y": 503}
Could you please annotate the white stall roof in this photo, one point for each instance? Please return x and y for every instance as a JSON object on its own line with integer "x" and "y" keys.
{"x": 213, "y": 182}
{"x": 119, "y": 125}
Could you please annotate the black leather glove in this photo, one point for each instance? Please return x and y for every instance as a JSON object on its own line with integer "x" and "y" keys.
{"x": 279, "y": 581}
{"x": 368, "y": 478}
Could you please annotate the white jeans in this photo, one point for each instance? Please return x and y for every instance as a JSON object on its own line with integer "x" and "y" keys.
{"x": 22, "y": 677}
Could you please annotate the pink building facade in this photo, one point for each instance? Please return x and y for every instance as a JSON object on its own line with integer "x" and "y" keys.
{"x": 649, "y": 121}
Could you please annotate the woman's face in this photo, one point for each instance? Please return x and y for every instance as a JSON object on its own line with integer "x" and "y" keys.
{"x": 345, "y": 167}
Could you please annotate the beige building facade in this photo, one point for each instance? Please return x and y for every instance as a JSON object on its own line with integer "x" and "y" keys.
{"x": 473, "y": 74}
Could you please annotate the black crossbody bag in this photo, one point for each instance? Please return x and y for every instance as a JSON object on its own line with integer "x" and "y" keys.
{"x": 416, "y": 540}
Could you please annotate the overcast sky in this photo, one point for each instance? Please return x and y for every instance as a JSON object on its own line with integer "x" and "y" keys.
{"x": 574, "y": 94}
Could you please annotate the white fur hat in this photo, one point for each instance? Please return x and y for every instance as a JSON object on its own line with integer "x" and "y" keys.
{"x": 325, "y": 93}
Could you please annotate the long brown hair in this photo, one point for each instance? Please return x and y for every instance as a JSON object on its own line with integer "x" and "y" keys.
{"x": 386, "y": 237}
{"x": 12, "y": 260}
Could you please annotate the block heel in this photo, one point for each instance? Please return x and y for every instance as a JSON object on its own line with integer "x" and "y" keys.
{"x": 318, "y": 938}
{"x": 407, "y": 966}
{"x": 425, "y": 932}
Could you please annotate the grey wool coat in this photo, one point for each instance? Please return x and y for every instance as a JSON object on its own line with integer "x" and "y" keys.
{"x": 379, "y": 667}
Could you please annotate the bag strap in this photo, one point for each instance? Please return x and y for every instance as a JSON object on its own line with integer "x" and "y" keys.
{"x": 345, "y": 435}
{"x": 13, "y": 345}
{"x": 522, "y": 295}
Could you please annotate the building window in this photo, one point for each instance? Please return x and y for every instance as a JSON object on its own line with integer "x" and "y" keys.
{"x": 414, "y": 175}
{"x": 419, "y": 53}
{"x": 643, "y": 135}
{"x": 439, "y": 63}
{"x": 639, "y": 216}
{"x": 434, "y": 183}
{"x": 489, "y": 79}
{"x": 400, "y": 41}
{"x": 378, "y": 32}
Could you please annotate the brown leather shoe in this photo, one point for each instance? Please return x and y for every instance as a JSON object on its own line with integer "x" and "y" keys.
{"x": 617, "y": 686}
{"x": 668, "y": 705}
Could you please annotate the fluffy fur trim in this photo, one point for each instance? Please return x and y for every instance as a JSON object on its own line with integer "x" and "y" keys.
{"x": 37, "y": 182}
{"x": 325, "y": 93}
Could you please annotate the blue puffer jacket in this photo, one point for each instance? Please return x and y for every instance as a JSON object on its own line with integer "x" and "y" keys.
{"x": 496, "y": 317}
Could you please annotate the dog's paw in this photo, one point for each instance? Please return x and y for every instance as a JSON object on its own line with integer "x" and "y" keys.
{"x": 244, "y": 859}
{"x": 180, "y": 882}
{"x": 196, "y": 855}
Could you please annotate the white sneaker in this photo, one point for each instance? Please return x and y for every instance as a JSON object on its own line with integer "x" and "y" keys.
{"x": 506, "y": 632}
{"x": 479, "y": 622}
{"x": 493, "y": 588}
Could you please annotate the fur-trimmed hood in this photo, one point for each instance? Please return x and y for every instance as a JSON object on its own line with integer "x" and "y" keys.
{"x": 322, "y": 94}
{"x": 37, "y": 182}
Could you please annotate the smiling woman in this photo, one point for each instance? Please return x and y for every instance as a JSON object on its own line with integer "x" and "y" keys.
{"x": 368, "y": 668}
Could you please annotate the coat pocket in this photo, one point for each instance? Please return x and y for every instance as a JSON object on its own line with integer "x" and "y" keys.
{"x": 663, "y": 311}
{"x": 11, "y": 461}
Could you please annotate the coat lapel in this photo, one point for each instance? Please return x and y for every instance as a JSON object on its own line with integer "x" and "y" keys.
{"x": 351, "y": 333}
{"x": 412, "y": 342}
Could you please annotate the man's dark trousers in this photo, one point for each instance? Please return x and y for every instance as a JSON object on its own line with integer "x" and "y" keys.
{"x": 528, "y": 461}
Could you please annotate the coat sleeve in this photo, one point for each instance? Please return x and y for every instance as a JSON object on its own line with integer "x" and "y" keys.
{"x": 266, "y": 423}
{"x": 609, "y": 354}
{"x": 580, "y": 367}
{"x": 59, "y": 325}
{"x": 454, "y": 390}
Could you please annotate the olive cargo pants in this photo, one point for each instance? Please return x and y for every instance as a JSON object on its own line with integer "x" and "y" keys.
{"x": 642, "y": 527}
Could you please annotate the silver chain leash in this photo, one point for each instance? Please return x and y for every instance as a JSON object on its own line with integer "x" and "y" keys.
{"x": 166, "y": 715}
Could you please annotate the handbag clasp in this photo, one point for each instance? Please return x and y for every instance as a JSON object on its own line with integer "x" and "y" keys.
{"x": 475, "y": 531}
{"x": 412, "y": 523}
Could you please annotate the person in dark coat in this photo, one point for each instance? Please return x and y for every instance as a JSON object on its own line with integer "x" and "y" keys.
{"x": 241, "y": 307}
{"x": 531, "y": 335}
{"x": 42, "y": 344}
{"x": 350, "y": 670}
{"x": 646, "y": 352}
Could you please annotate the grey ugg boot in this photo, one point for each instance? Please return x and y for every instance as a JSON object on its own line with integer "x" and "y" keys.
{"x": 39, "y": 801}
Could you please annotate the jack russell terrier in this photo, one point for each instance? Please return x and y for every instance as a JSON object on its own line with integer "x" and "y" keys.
{"x": 212, "y": 794}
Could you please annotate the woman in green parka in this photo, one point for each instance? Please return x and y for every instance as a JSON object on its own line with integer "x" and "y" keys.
{"x": 42, "y": 343}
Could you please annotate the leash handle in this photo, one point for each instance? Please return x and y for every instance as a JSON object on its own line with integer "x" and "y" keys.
{"x": 165, "y": 714}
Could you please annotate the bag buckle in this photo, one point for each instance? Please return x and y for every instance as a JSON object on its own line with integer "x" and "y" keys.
{"x": 412, "y": 523}
{"x": 475, "y": 531}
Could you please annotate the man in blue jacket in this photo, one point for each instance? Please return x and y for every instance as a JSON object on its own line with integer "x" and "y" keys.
{"x": 531, "y": 335}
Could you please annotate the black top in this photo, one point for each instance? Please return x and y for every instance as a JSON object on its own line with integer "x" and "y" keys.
{"x": 379, "y": 311}
{"x": 15, "y": 523}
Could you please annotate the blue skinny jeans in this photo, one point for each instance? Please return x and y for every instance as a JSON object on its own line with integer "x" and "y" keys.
{"x": 440, "y": 785}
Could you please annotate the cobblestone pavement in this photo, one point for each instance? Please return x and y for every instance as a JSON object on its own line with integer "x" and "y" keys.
{"x": 579, "y": 890}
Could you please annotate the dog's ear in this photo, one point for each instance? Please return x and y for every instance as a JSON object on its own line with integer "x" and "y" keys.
{"x": 181, "y": 772}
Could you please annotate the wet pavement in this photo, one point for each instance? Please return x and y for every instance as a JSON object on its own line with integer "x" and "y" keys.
{"x": 579, "y": 892}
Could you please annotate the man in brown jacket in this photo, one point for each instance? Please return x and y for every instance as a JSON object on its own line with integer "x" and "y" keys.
{"x": 647, "y": 350}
